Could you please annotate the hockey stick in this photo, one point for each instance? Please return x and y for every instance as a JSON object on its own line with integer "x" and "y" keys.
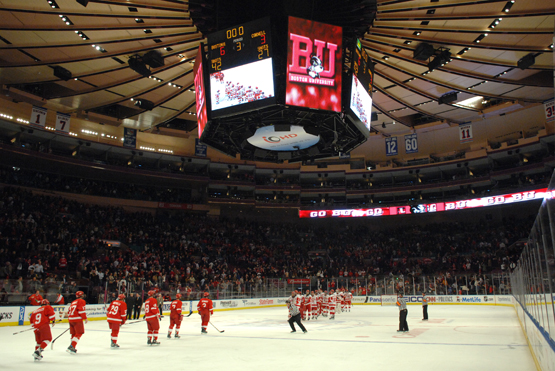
{"x": 52, "y": 344}
{"x": 216, "y": 328}
{"x": 190, "y": 308}
{"x": 130, "y": 323}
{"x": 19, "y": 332}
{"x": 29, "y": 329}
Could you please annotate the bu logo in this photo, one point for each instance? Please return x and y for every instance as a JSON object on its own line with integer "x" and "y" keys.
{"x": 309, "y": 57}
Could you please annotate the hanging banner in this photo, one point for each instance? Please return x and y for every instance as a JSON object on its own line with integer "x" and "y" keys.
{"x": 411, "y": 143}
{"x": 129, "y": 138}
{"x": 38, "y": 116}
{"x": 549, "y": 110}
{"x": 391, "y": 148}
{"x": 62, "y": 122}
{"x": 200, "y": 148}
{"x": 465, "y": 133}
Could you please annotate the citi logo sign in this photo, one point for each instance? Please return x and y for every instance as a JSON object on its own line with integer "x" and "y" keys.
{"x": 309, "y": 57}
{"x": 278, "y": 139}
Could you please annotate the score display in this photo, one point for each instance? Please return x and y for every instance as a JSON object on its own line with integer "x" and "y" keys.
{"x": 240, "y": 68}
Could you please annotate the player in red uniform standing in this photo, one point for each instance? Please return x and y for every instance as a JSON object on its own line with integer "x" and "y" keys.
{"x": 117, "y": 314}
{"x": 205, "y": 309}
{"x": 77, "y": 314}
{"x": 40, "y": 319}
{"x": 152, "y": 316}
{"x": 176, "y": 316}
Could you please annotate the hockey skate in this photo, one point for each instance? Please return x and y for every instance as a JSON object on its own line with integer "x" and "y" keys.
{"x": 114, "y": 345}
{"x": 154, "y": 342}
{"x": 332, "y": 317}
{"x": 305, "y": 331}
{"x": 169, "y": 336}
{"x": 293, "y": 331}
{"x": 37, "y": 355}
{"x": 71, "y": 350}
{"x": 149, "y": 342}
{"x": 203, "y": 331}
{"x": 177, "y": 336}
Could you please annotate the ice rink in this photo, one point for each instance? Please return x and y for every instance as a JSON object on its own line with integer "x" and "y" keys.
{"x": 455, "y": 338}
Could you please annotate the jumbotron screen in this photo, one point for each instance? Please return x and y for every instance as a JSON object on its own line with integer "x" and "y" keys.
{"x": 505, "y": 199}
{"x": 361, "y": 102}
{"x": 314, "y": 65}
{"x": 241, "y": 68}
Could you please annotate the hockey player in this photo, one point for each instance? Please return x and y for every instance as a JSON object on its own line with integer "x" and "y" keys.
{"x": 305, "y": 306}
{"x": 176, "y": 315}
{"x": 77, "y": 314}
{"x": 341, "y": 299}
{"x": 349, "y": 299}
{"x": 40, "y": 319}
{"x": 313, "y": 305}
{"x": 205, "y": 309}
{"x": 325, "y": 303}
{"x": 117, "y": 314}
{"x": 319, "y": 301}
{"x": 152, "y": 316}
{"x": 332, "y": 302}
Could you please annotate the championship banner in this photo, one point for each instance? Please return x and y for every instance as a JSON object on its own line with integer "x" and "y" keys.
{"x": 38, "y": 116}
{"x": 465, "y": 133}
{"x": 129, "y": 138}
{"x": 200, "y": 148}
{"x": 62, "y": 122}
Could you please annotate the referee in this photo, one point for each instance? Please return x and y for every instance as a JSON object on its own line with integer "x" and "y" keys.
{"x": 402, "y": 304}
{"x": 295, "y": 317}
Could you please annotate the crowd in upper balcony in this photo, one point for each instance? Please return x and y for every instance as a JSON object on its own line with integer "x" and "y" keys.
{"x": 47, "y": 240}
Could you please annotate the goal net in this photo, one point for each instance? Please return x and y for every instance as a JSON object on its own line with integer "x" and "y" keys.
{"x": 389, "y": 299}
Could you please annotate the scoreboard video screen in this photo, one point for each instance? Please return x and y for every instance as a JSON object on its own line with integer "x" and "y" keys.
{"x": 360, "y": 102}
{"x": 240, "y": 67}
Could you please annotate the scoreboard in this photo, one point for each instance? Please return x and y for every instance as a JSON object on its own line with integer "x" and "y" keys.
{"x": 240, "y": 68}
{"x": 360, "y": 101}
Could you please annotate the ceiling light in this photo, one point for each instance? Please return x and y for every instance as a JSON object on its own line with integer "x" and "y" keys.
{"x": 508, "y": 6}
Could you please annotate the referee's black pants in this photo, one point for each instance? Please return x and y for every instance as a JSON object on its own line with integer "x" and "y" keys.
{"x": 297, "y": 319}
{"x": 425, "y": 311}
{"x": 403, "y": 325}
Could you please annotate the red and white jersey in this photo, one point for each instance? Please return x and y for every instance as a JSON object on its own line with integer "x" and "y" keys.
{"x": 348, "y": 296}
{"x": 332, "y": 298}
{"x": 60, "y": 300}
{"x": 325, "y": 299}
{"x": 42, "y": 316}
{"x": 297, "y": 300}
{"x": 341, "y": 297}
{"x": 151, "y": 308}
{"x": 117, "y": 312}
{"x": 35, "y": 299}
{"x": 77, "y": 311}
{"x": 314, "y": 300}
{"x": 205, "y": 306}
{"x": 306, "y": 299}
{"x": 176, "y": 307}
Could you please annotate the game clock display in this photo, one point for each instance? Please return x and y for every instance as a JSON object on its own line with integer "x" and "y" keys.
{"x": 240, "y": 68}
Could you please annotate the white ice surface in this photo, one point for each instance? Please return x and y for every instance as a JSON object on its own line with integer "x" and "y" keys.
{"x": 455, "y": 338}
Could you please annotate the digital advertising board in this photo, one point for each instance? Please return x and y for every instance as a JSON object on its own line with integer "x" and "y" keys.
{"x": 240, "y": 68}
{"x": 314, "y": 65}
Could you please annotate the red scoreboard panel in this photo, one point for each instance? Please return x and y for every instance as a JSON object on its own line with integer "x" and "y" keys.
{"x": 314, "y": 65}
{"x": 200, "y": 91}
{"x": 505, "y": 199}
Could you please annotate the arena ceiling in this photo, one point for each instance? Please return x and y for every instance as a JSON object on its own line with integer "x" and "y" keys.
{"x": 94, "y": 40}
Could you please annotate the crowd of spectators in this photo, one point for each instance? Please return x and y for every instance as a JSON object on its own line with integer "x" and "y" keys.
{"x": 52, "y": 245}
